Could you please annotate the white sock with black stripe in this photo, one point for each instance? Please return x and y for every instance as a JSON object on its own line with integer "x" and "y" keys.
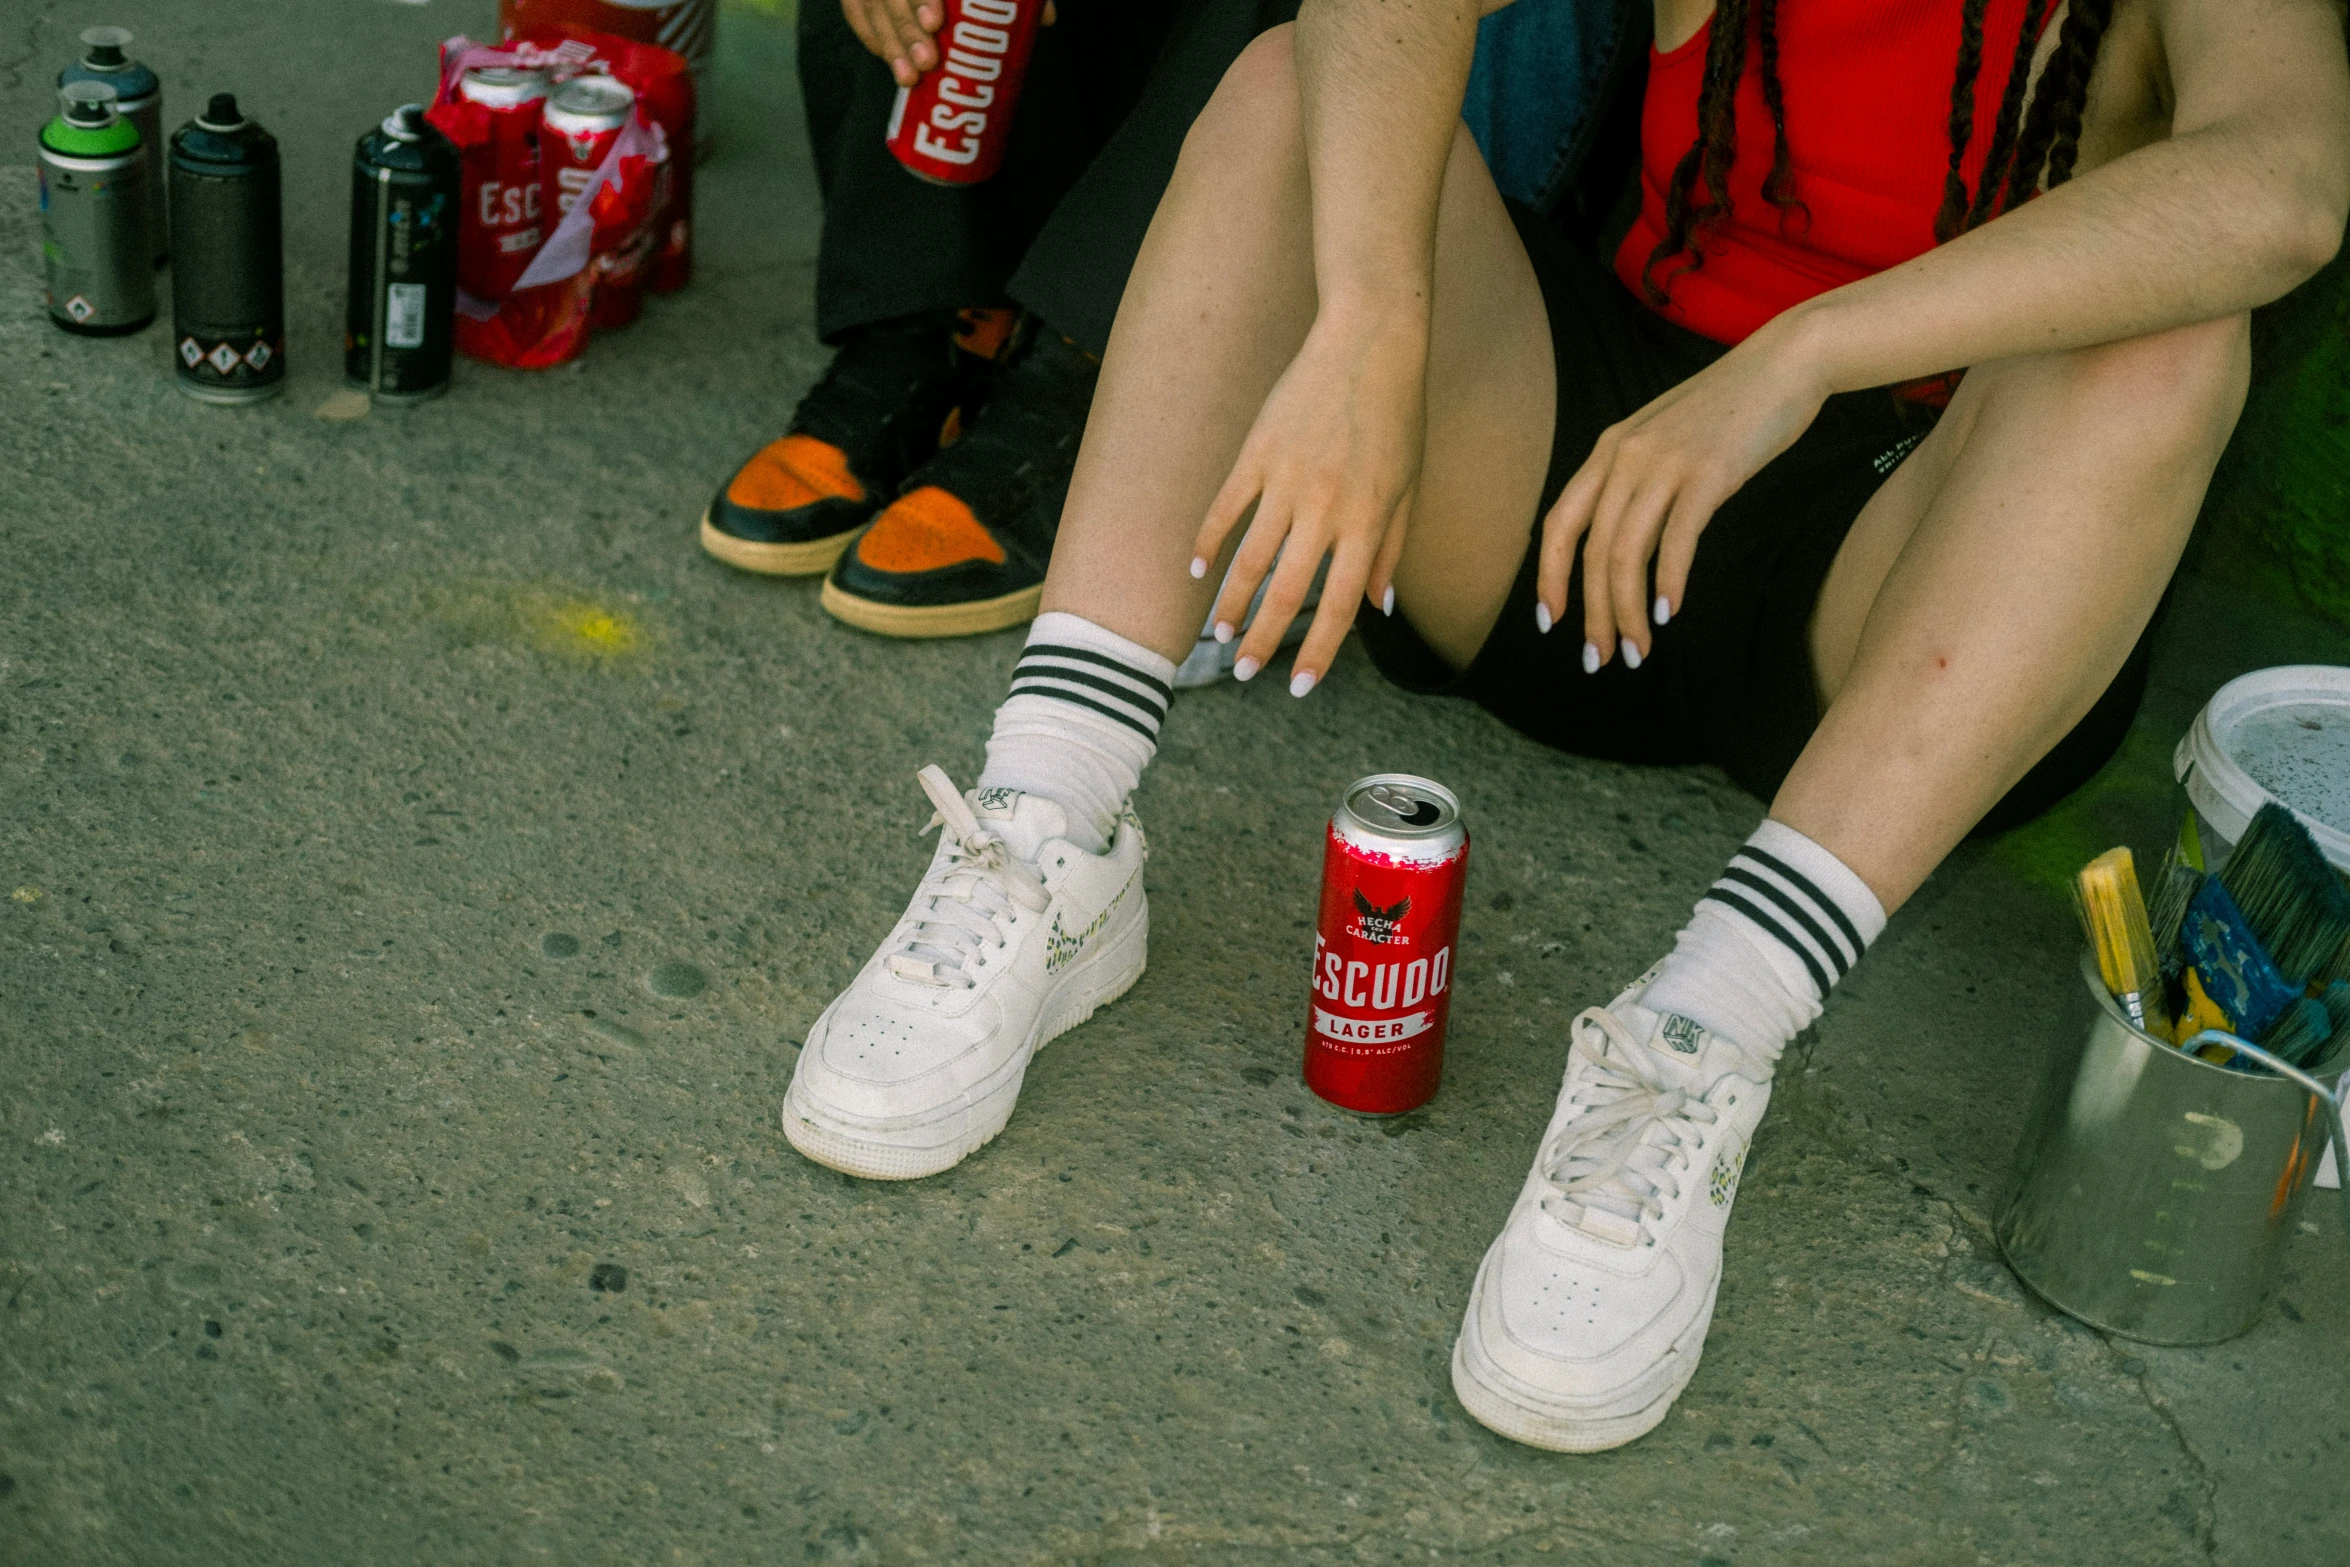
{"x": 1755, "y": 963}
{"x": 1081, "y": 724}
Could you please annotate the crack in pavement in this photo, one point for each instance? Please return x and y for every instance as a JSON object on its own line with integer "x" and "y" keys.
{"x": 2207, "y": 1507}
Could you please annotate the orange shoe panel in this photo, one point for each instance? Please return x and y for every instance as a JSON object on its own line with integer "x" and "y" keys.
{"x": 795, "y": 471}
{"x": 986, "y": 331}
{"x": 924, "y": 531}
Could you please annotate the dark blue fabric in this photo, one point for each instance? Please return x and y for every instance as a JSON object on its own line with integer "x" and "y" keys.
{"x": 1534, "y": 87}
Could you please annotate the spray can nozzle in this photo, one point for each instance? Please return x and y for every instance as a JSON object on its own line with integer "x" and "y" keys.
{"x": 88, "y": 105}
{"x": 107, "y": 46}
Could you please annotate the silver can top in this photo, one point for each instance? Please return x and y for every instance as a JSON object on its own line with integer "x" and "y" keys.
{"x": 590, "y": 103}
{"x": 503, "y": 86}
{"x": 1403, "y": 815}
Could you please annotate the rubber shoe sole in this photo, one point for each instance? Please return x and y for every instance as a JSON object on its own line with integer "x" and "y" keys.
{"x": 1498, "y": 1402}
{"x": 809, "y": 559}
{"x": 932, "y": 620}
{"x": 854, "y": 1149}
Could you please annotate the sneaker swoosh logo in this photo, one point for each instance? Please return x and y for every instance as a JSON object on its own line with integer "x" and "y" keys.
{"x": 1061, "y": 947}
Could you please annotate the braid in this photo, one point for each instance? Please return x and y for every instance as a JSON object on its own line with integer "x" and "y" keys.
{"x": 1710, "y": 156}
{"x": 1952, "y": 215}
{"x": 2011, "y": 108}
{"x": 2052, "y": 127}
{"x": 1779, "y": 187}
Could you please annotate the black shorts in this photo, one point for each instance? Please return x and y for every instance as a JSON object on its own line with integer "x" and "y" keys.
{"x": 1729, "y": 679}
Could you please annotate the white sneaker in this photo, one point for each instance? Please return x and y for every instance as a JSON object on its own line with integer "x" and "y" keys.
{"x": 1014, "y": 937}
{"x": 1590, "y": 1309}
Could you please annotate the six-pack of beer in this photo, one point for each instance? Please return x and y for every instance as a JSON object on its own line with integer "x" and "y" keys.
{"x": 575, "y": 187}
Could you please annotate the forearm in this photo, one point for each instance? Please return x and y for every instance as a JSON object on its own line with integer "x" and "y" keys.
{"x": 2242, "y": 201}
{"x": 2193, "y": 228}
{"x": 1381, "y": 84}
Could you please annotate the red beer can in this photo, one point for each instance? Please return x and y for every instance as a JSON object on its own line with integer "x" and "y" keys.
{"x": 498, "y": 223}
{"x": 1393, "y": 865}
{"x": 582, "y": 123}
{"x": 952, "y": 125}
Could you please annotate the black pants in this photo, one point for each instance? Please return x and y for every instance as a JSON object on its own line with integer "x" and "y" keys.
{"x": 1729, "y": 680}
{"x": 1112, "y": 89}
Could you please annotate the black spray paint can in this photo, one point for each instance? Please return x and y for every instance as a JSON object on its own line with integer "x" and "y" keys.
{"x": 398, "y": 337}
{"x": 139, "y": 97}
{"x": 228, "y": 294}
{"x": 94, "y": 251}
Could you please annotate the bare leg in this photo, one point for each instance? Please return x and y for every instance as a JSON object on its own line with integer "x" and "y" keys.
{"x": 1995, "y": 585}
{"x": 1221, "y": 298}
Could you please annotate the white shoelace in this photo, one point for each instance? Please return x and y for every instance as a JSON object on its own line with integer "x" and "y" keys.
{"x": 965, "y": 903}
{"x": 1615, "y": 1166}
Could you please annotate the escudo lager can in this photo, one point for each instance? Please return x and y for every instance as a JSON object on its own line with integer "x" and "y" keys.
{"x": 952, "y": 126}
{"x": 401, "y": 325}
{"x": 1393, "y": 865}
{"x": 500, "y": 227}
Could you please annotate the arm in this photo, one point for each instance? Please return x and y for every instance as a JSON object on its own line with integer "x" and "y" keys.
{"x": 2244, "y": 199}
{"x": 1334, "y": 455}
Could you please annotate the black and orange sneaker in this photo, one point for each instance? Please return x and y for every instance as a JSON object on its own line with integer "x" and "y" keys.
{"x": 963, "y": 549}
{"x": 894, "y": 391}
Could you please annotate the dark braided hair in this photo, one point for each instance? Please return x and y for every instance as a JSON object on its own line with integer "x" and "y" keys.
{"x": 2048, "y": 141}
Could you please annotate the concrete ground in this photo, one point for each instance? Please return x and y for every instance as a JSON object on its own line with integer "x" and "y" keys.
{"x": 420, "y": 863}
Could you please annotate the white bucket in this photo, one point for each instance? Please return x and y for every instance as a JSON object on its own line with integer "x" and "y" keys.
{"x": 2276, "y": 734}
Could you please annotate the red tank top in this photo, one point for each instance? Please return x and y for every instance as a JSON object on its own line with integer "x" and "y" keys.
{"x": 1867, "y": 90}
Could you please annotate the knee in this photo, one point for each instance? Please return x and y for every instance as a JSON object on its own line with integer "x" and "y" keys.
{"x": 1256, "y": 103}
{"x": 2172, "y": 396}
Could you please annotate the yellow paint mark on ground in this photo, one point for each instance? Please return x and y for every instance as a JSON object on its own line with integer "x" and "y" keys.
{"x": 578, "y": 628}
{"x": 27, "y": 895}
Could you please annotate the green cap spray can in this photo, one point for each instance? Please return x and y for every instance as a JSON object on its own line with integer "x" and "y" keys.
{"x": 94, "y": 248}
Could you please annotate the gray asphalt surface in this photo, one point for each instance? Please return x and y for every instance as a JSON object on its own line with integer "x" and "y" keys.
{"x": 418, "y": 864}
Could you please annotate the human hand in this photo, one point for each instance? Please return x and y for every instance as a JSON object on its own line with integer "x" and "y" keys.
{"x": 1331, "y": 465}
{"x": 1653, "y": 482}
{"x": 904, "y": 32}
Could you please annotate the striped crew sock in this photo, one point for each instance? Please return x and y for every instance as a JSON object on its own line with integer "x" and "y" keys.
{"x": 1767, "y": 941}
{"x": 1081, "y": 724}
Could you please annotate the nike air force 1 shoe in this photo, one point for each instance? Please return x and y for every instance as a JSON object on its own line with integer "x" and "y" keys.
{"x": 1014, "y": 937}
{"x": 1591, "y": 1308}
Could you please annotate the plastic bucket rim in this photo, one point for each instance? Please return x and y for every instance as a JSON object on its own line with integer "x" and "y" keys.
{"x": 2217, "y": 784}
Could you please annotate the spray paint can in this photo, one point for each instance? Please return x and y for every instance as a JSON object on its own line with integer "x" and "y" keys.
{"x": 953, "y": 125}
{"x": 139, "y": 99}
{"x": 398, "y": 335}
{"x": 228, "y": 297}
{"x": 94, "y": 216}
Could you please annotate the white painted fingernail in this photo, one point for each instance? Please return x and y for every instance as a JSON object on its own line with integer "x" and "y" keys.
{"x": 1301, "y": 682}
{"x": 1244, "y": 668}
{"x": 1631, "y": 656}
{"x": 1542, "y": 620}
{"x": 1591, "y": 658}
{"x": 1664, "y": 609}
{"x": 1387, "y": 601}
{"x": 1223, "y": 630}
{"x": 1199, "y": 568}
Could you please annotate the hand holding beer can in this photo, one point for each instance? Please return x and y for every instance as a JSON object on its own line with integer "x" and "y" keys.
{"x": 1394, "y": 862}
{"x": 952, "y": 126}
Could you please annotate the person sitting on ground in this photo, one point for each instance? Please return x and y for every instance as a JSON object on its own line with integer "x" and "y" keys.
{"x": 1682, "y": 500}
{"x": 920, "y": 289}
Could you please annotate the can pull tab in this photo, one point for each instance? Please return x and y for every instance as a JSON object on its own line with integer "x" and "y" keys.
{"x": 1408, "y": 809}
